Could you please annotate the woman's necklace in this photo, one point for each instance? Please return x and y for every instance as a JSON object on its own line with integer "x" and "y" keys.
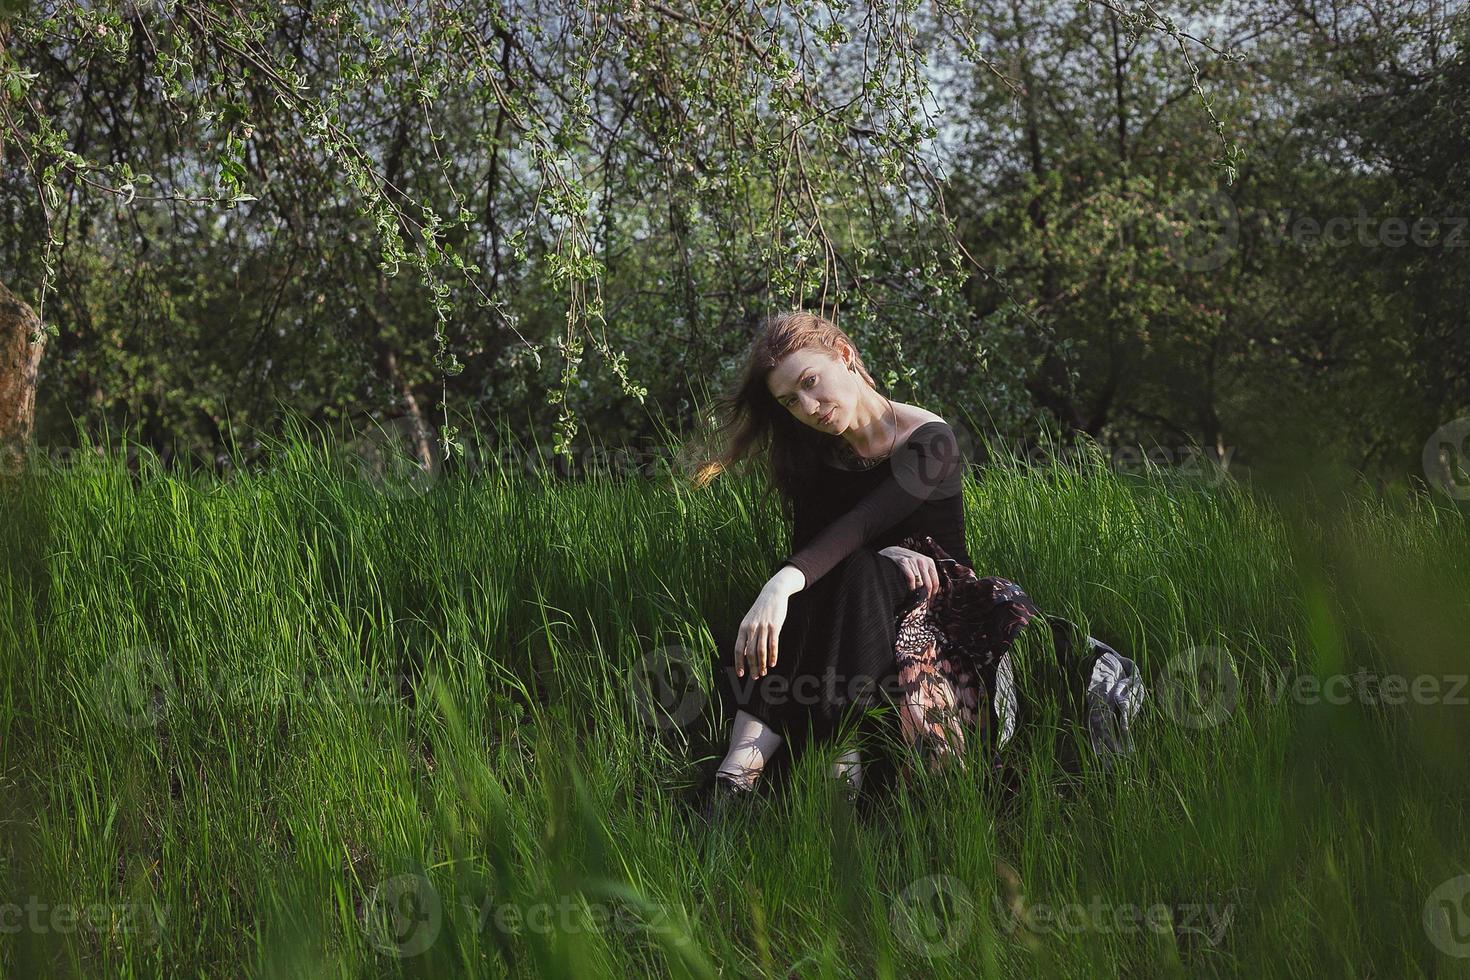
{"x": 868, "y": 462}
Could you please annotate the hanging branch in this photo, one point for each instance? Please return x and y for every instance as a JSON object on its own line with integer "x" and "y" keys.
{"x": 756, "y": 71}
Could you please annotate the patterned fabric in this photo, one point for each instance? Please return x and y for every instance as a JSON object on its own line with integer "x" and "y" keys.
{"x": 946, "y": 644}
{"x": 953, "y": 649}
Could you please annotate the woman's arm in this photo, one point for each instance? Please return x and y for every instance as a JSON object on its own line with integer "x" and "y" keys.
{"x": 928, "y": 465}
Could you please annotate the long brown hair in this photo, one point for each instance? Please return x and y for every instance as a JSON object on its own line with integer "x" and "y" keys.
{"x": 749, "y": 419}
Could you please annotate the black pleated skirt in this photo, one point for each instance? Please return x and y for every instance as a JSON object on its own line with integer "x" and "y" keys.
{"x": 860, "y": 637}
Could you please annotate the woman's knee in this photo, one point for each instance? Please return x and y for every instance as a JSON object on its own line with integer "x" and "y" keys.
{"x": 864, "y": 563}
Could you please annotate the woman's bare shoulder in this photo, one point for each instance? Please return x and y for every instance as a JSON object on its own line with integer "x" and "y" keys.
{"x": 910, "y": 417}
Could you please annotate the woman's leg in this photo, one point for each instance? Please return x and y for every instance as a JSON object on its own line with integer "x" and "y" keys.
{"x": 855, "y": 639}
{"x": 836, "y": 651}
{"x": 849, "y": 766}
{"x": 766, "y": 708}
{"x": 752, "y": 743}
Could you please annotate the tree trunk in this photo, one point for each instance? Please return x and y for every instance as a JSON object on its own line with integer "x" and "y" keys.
{"x": 382, "y": 345}
{"x": 20, "y": 360}
{"x": 419, "y": 437}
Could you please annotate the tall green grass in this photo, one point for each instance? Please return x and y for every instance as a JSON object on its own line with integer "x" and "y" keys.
{"x": 307, "y": 721}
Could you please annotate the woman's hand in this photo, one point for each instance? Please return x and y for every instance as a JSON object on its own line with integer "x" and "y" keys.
{"x": 755, "y": 644}
{"x": 920, "y": 569}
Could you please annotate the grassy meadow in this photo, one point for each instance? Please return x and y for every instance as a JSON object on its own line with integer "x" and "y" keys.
{"x": 313, "y": 721}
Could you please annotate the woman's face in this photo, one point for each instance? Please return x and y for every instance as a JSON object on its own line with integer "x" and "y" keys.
{"x": 816, "y": 387}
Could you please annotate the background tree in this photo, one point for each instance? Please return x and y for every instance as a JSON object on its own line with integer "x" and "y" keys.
{"x": 1180, "y": 309}
{"x": 1028, "y": 211}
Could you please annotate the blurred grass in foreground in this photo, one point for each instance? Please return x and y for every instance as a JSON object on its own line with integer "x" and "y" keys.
{"x": 311, "y": 721}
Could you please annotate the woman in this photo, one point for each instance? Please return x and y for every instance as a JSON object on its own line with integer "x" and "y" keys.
{"x": 877, "y": 597}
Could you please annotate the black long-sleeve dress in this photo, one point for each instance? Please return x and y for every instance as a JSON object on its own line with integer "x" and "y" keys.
{"x": 835, "y": 652}
{"x": 858, "y": 633}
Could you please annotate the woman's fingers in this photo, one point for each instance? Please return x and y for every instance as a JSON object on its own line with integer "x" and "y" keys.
{"x": 918, "y": 569}
{"x": 921, "y": 570}
{"x": 742, "y": 651}
{"x": 765, "y": 648}
{"x": 756, "y": 650}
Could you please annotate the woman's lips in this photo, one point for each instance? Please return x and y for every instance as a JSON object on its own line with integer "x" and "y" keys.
{"x": 828, "y": 417}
